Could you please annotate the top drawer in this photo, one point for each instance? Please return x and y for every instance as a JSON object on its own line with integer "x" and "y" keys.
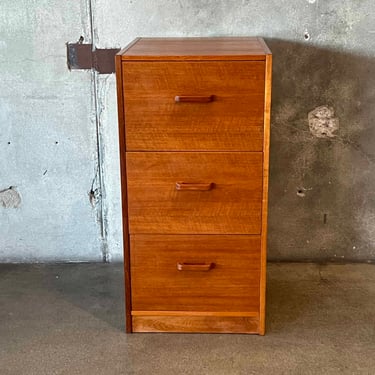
{"x": 220, "y": 109}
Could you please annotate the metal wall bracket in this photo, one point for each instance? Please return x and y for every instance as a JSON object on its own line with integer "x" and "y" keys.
{"x": 82, "y": 56}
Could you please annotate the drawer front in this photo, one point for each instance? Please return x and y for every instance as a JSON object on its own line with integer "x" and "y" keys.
{"x": 194, "y": 192}
{"x": 220, "y": 109}
{"x": 195, "y": 273}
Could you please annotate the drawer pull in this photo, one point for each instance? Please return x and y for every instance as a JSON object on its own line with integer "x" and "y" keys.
{"x": 195, "y": 266}
{"x": 193, "y": 99}
{"x": 194, "y": 186}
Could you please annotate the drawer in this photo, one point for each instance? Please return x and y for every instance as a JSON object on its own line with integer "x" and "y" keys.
{"x": 221, "y": 105}
{"x": 194, "y": 192}
{"x": 215, "y": 273}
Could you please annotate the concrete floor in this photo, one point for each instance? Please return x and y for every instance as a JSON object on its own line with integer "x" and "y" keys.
{"x": 68, "y": 319}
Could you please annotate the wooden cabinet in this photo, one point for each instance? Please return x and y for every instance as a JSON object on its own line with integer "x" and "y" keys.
{"x": 194, "y": 140}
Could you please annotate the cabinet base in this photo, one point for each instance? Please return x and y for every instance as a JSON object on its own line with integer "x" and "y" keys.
{"x": 196, "y": 324}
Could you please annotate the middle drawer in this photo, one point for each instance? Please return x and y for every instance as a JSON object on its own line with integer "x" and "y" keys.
{"x": 194, "y": 192}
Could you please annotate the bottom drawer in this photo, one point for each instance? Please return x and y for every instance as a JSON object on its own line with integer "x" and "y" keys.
{"x": 195, "y": 273}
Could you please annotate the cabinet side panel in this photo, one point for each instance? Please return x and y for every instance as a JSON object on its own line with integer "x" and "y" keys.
{"x": 121, "y": 126}
{"x": 267, "y": 115}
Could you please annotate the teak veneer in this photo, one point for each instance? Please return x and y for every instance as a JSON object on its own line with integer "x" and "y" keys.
{"x": 194, "y": 117}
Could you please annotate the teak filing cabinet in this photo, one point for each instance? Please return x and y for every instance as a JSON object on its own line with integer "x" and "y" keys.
{"x": 194, "y": 118}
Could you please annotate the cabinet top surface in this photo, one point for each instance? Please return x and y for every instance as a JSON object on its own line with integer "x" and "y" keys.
{"x": 227, "y": 48}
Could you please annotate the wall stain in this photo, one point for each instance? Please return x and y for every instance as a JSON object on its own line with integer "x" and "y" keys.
{"x": 10, "y": 198}
{"x": 322, "y": 122}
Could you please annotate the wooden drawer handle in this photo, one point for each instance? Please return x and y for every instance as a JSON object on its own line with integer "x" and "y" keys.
{"x": 195, "y": 266}
{"x": 193, "y": 99}
{"x": 194, "y": 186}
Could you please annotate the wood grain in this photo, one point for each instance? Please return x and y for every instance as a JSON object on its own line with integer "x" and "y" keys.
{"x": 232, "y": 285}
{"x": 195, "y": 313}
{"x": 267, "y": 117}
{"x": 205, "y": 324}
{"x": 125, "y": 226}
{"x": 233, "y": 206}
{"x": 233, "y": 120}
{"x": 227, "y": 48}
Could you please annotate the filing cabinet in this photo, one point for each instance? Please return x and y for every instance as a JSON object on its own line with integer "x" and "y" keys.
{"x": 194, "y": 119}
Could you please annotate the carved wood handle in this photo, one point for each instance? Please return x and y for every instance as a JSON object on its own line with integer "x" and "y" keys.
{"x": 193, "y": 98}
{"x": 195, "y": 266}
{"x": 194, "y": 186}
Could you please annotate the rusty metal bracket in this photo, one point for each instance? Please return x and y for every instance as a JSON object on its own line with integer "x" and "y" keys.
{"x": 82, "y": 56}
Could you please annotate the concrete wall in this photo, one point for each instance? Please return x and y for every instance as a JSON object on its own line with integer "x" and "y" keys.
{"x": 322, "y": 160}
{"x": 48, "y": 147}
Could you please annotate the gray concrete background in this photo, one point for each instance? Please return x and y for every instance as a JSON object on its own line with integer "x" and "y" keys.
{"x": 322, "y": 171}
